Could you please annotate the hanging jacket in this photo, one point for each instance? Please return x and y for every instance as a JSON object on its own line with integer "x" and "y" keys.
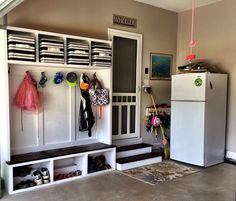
{"x": 86, "y": 118}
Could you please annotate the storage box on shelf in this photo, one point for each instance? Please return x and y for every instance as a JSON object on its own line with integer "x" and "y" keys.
{"x": 55, "y": 125}
{"x": 21, "y": 46}
{"x": 51, "y": 49}
{"x": 57, "y": 49}
{"x": 77, "y": 52}
{"x": 100, "y": 54}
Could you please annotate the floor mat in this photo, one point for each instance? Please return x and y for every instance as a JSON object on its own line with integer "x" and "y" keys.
{"x": 160, "y": 172}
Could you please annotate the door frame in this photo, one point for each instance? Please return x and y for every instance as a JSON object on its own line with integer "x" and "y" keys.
{"x": 139, "y": 38}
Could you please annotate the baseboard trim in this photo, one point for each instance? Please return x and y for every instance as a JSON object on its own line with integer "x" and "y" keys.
{"x": 231, "y": 155}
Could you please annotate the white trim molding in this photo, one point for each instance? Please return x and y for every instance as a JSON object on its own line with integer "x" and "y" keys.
{"x": 139, "y": 38}
{"x": 231, "y": 155}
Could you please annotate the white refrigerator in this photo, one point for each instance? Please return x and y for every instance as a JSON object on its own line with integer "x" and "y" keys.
{"x": 198, "y": 118}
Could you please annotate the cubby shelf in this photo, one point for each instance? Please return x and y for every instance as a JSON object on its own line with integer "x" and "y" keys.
{"x": 63, "y": 164}
{"x": 53, "y": 65}
{"x": 33, "y": 140}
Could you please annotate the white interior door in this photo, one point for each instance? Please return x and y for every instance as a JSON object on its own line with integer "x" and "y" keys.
{"x": 127, "y": 54}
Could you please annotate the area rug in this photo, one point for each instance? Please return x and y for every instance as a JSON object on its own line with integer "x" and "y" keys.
{"x": 160, "y": 172}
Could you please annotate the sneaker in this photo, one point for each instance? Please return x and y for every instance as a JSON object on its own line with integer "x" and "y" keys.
{"x": 21, "y": 185}
{"x": 30, "y": 183}
{"x": 77, "y": 173}
{"x": 37, "y": 177}
{"x": 45, "y": 173}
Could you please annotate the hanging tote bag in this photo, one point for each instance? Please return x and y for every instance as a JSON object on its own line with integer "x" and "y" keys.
{"x": 99, "y": 96}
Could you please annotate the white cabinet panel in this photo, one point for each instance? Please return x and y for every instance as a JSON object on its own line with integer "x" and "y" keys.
{"x": 23, "y": 124}
{"x": 56, "y": 113}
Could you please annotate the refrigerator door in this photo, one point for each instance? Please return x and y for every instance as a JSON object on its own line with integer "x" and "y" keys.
{"x": 189, "y": 87}
{"x": 187, "y": 132}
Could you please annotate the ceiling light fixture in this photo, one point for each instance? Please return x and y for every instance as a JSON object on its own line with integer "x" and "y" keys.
{"x": 7, "y": 5}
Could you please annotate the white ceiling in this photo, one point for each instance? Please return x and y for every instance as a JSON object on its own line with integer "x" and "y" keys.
{"x": 177, "y": 5}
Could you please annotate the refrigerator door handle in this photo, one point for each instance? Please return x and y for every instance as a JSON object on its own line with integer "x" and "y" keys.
{"x": 211, "y": 86}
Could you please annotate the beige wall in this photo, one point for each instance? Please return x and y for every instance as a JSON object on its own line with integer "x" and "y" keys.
{"x": 92, "y": 18}
{"x": 215, "y": 33}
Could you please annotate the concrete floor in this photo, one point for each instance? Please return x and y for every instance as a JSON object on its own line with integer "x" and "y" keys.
{"x": 216, "y": 183}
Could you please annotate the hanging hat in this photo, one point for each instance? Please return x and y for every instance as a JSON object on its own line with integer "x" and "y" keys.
{"x": 71, "y": 79}
{"x": 43, "y": 80}
{"x": 58, "y": 78}
{"x": 84, "y": 82}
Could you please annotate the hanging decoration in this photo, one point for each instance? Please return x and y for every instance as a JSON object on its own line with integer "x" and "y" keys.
{"x": 27, "y": 96}
{"x": 192, "y": 42}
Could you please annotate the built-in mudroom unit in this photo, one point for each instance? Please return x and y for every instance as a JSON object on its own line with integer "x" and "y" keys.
{"x": 48, "y": 146}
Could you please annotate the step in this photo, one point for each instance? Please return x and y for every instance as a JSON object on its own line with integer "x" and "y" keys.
{"x": 132, "y": 150}
{"x": 138, "y": 161}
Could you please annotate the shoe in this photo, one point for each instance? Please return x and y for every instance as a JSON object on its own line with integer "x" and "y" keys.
{"x": 38, "y": 182}
{"x": 37, "y": 177}
{"x": 45, "y": 173}
{"x": 59, "y": 177}
{"x": 30, "y": 183}
{"x": 21, "y": 171}
{"x": 46, "y": 181}
{"x": 22, "y": 185}
{"x": 77, "y": 173}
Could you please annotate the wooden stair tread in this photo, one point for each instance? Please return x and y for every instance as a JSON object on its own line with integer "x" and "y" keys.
{"x": 138, "y": 157}
{"x": 132, "y": 147}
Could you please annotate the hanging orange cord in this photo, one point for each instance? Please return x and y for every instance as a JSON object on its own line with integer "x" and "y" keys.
{"x": 192, "y": 42}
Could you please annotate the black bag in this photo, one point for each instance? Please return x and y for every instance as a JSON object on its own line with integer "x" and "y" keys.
{"x": 86, "y": 118}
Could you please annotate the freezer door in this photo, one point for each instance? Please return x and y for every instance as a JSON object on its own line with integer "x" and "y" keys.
{"x": 189, "y": 87}
{"x": 187, "y": 132}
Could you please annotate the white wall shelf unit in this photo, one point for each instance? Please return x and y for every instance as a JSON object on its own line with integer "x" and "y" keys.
{"x": 55, "y": 124}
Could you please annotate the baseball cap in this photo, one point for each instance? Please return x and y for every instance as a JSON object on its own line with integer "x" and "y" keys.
{"x": 71, "y": 79}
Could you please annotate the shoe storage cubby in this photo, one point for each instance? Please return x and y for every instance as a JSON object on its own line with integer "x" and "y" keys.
{"x": 101, "y": 161}
{"x": 24, "y": 176}
{"x": 29, "y": 175}
{"x": 70, "y": 167}
{"x": 49, "y": 139}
